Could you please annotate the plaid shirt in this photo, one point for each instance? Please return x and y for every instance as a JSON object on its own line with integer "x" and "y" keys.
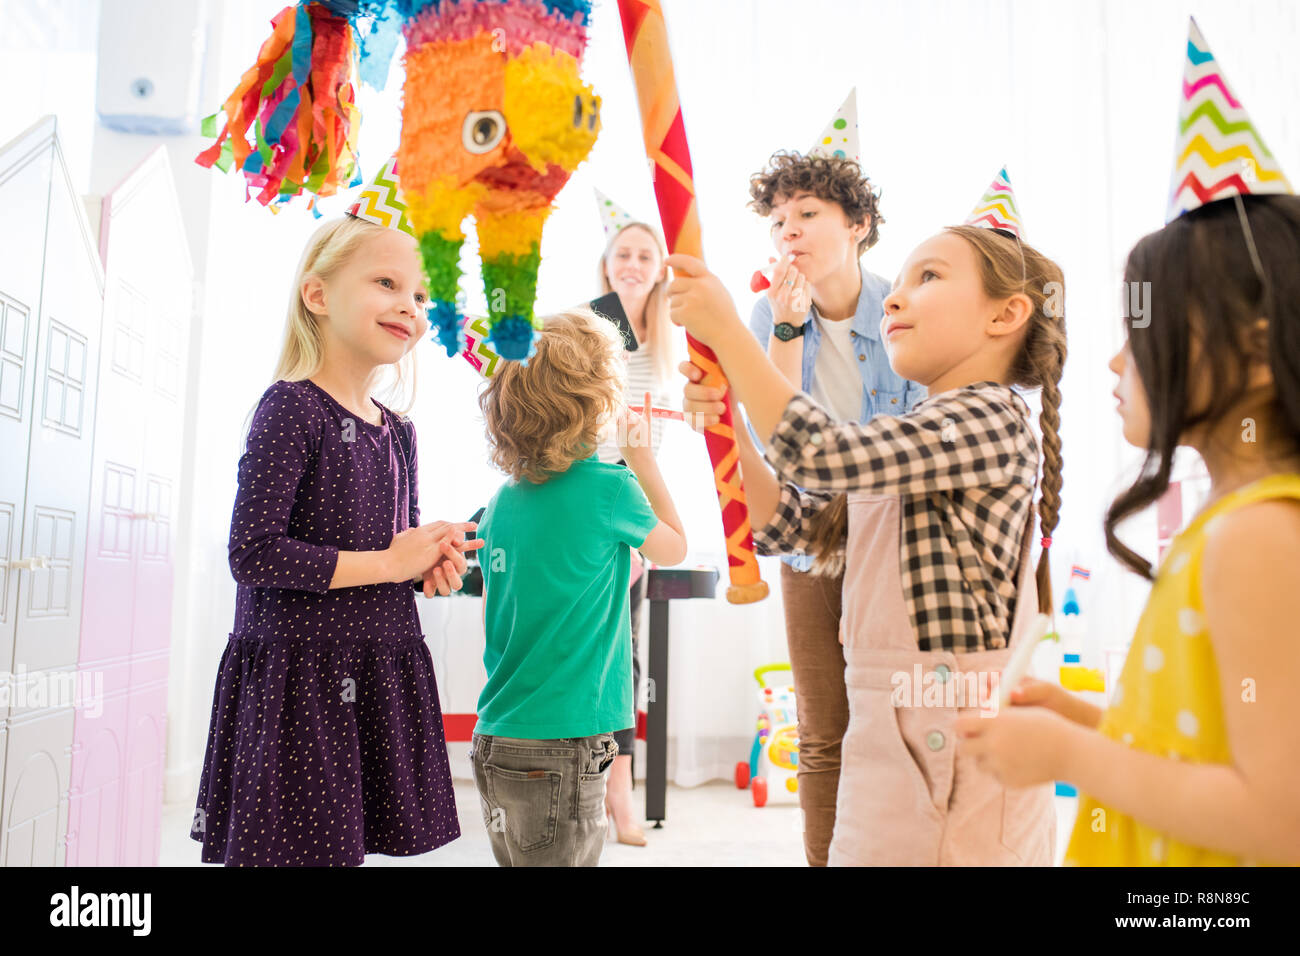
{"x": 964, "y": 464}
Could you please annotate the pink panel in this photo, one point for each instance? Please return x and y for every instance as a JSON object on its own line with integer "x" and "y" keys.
{"x": 126, "y": 627}
{"x": 142, "y": 820}
{"x": 95, "y": 801}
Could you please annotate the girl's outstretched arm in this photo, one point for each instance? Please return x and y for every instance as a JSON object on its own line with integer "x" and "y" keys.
{"x": 780, "y": 514}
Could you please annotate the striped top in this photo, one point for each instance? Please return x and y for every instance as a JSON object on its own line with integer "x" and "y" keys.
{"x": 641, "y": 378}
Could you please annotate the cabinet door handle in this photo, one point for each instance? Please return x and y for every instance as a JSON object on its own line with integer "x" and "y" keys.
{"x": 144, "y": 515}
{"x": 28, "y": 564}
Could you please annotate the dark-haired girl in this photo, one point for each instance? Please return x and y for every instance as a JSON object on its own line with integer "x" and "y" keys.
{"x": 1193, "y": 763}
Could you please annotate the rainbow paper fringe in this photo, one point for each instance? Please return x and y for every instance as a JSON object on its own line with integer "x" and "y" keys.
{"x": 291, "y": 123}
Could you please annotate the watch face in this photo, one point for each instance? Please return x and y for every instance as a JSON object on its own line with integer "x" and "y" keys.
{"x": 785, "y": 331}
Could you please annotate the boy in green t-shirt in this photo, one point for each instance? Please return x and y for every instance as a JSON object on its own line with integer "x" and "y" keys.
{"x": 556, "y": 561}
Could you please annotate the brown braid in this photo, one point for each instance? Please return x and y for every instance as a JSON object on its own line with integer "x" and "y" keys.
{"x": 1047, "y": 354}
{"x": 1009, "y": 266}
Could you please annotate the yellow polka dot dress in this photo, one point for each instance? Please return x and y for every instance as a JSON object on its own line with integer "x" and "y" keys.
{"x": 1167, "y": 698}
{"x": 326, "y": 739}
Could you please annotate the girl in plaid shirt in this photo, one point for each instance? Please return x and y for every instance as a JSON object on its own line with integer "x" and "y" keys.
{"x": 931, "y": 513}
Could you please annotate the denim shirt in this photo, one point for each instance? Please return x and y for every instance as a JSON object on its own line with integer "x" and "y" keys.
{"x": 884, "y": 392}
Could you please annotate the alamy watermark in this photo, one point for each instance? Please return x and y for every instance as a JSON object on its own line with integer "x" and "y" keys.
{"x": 81, "y": 689}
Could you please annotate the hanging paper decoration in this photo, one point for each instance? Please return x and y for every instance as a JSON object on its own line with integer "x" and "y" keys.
{"x": 291, "y": 123}
{"x": 495, "y": 119}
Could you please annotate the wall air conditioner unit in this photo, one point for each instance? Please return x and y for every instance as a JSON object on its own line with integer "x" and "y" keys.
{"x": 150, "y": 65}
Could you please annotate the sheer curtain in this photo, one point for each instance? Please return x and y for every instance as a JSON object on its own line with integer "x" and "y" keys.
{"x": 1078, "y": 100}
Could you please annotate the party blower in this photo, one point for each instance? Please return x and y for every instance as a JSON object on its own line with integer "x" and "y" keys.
{"x": 646, "y": 35}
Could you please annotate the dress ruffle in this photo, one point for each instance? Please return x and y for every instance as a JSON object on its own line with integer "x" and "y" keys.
{"x": 321, "y": 751}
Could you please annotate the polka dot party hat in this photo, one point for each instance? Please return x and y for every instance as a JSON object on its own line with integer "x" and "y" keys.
{"x": 381, "y": 201}
{"x": 840, "y": 137}
{"x": 613, "y": 217}
{"x": 1219, "y": 153}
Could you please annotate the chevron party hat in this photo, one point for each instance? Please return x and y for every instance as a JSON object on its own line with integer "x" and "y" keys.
{"x": 613, "y": 217}
{"x": 381, "y": 201}
{"x": 1219, "y": 153}
{"x": 997, "y": 207}
{"x": 840, "y": 137}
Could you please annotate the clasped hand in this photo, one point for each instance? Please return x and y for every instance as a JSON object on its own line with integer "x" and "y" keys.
{"x": 434, "y": 553}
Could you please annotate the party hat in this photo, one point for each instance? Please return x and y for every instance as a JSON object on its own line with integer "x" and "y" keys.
{"x": 381, "y": 201}
{"x": 997, "y": 207}
{"x": 1219, "y": 153}
{"x": 840, "y": 137}
{"x": 613, "y": 217}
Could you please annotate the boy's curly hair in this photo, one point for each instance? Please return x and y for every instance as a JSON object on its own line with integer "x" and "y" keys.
{"x": 829, "y": 178}
{"x": 542, "y": 418}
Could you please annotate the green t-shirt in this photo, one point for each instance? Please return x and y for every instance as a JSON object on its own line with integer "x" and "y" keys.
{"x": 556, "y": 565}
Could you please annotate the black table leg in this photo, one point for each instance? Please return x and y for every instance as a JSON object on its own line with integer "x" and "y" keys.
{"x": 656, "y": 731}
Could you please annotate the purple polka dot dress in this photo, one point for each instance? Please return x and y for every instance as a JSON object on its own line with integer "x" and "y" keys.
{"x": 326, "y": 740}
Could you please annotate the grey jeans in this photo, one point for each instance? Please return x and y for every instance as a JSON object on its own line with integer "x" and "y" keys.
{"x": 543, "y": 801}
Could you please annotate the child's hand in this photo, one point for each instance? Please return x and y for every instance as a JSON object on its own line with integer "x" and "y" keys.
{"x": 1021, "y": 746}
{"x": 701, "y": 404}
{"x": 788, "y": 293}
{"x": 416, "y": 550}
{"x": 634, "y": 432}
{"x": 700, "y": 303}
{"x": 1040, "y": 693}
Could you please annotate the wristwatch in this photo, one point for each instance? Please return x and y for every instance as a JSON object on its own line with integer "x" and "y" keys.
{"x": 785, "y": 331}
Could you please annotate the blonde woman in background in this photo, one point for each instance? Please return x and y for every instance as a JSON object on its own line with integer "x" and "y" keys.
{"x": 633, "y": 266}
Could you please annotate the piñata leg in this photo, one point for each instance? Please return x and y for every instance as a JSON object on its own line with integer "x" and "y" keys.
{"x": 436, "y": 215}
{"x": 510, "y": 247}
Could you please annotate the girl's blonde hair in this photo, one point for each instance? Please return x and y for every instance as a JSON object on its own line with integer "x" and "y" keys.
{"x": 543, "y": 417}
{"x": 1007, "y": 267}
{"x": 659, "y": 328}
{"x": 303, "y": 350}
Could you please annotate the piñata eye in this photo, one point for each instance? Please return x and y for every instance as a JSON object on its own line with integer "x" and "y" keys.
{"x": 483, "y": 130}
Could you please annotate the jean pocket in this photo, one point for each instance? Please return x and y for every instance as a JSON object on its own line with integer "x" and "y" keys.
{"x": 530, "y": 800}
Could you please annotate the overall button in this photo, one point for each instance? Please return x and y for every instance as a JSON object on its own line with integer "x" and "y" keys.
{"x": 862, "y": 358}
{"x": 934, "y": 740}
{"x": 942, "y": 673}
